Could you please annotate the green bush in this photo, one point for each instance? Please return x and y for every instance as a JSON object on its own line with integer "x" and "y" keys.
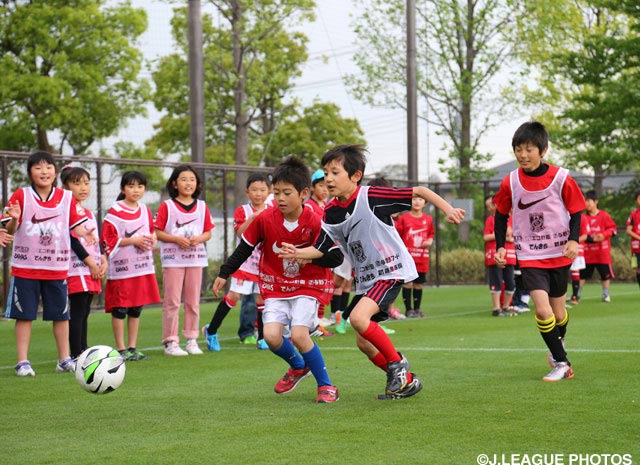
{"x": 460, "y": 266}
{"x": 621, "y": 264}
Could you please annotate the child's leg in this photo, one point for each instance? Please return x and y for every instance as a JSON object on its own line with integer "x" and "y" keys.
{"x": 371, "y": 352}
{"x": 192, "y": 286}
{"x": 259, "y": 312}
{"x": 23, "y": 338}
{"x": 281, "y": 346}
{"x": 84, "y": 345}
{"x": 117, "y": 325}
{"x": 247, "y": 316}
{"x": 224, "y": 307}
{"x": 133, "y": 327}
{"x": 547, "y": 324}
{"x": 173, "y": 279}
{"x": 76, "y": 323}
{"x": 509, "y": 284}
{"x": 575, "y": 285}
{"x": 311, "y": 354}
{"x": 370, "y": 330}
{"x": 417, "y": 296}
{"x": 61, "y": 334}
{"x": 406, "y": 299}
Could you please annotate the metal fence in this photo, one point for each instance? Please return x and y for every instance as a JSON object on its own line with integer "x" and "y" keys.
{"x": 218, "y": 194}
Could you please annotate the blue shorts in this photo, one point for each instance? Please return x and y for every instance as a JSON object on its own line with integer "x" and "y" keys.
{"x": 24, "y": 294}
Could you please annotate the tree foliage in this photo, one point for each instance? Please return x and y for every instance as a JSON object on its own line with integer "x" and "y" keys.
{"x": 69, "y": 71}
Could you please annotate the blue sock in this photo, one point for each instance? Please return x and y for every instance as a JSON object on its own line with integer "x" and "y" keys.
{"x": 289, "y": 354}
{"x": 315, "y": 362}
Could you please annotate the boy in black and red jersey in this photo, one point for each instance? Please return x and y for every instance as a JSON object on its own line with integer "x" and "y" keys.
{"x": 546, "y": 204}
{"x": 292, "y": 289}
{"x": 358, "y": 219}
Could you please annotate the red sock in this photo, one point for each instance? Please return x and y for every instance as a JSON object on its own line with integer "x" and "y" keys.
{"x": 376, "y": 336}
{"x": 379, "y": 361}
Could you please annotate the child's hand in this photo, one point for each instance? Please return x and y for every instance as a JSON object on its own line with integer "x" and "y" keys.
{"x": 218, "y": 285}
{"x": 501, "y": 257}
{"x": 5, "y": 237}
{"x": 103, "y": 267}
{"x": 183, "y": 242}
{"x": 598, "y": 237}
{"x": 287, "y": 251}
{"x": 95, "y": 270}
{"x": 455, "y": 215}
{"x": 87, "y": 234}
{"x": 570, "y": 250}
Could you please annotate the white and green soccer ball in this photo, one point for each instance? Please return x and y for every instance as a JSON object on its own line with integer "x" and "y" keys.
{"x": 100, "y": 369}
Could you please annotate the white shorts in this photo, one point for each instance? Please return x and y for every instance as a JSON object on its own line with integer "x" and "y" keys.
{"x": 244, "y": 287}
{"x": 344, "y": 270}
{"x": 578, "y": 264}
{"x": 299, "y": 311}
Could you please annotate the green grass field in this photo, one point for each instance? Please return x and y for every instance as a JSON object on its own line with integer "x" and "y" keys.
{"x": 483, "y": 395}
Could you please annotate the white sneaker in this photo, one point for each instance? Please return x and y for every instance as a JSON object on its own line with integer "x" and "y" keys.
{"x": 192, "y": 347}
{"x": 325, "y": 322}
{"x": 24, "y": 369}
{"x": 66, "y": 366}
{"x": 606, "y": 298}
{"x": 552, "y": 361}
{"x": 561, "y": 371}
{"x": 172, "y": 348}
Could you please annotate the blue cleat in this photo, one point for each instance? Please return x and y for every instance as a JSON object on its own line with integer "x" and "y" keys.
{"x": 212, "y": 340}
{"x": 262, "y": 345}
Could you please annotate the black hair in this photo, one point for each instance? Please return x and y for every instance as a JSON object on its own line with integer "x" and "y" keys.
{"x": 490, "y": 196}
{"x": 380, "y": 181}
{"x": 259, "y": 177}
{"x": 73, "y": 174}
{"x": 177, "y": 171}
{"x": 352, "y": 158}
{"x": 38, "y": 157}
{"x": 531, "y": 132}
{"x": 292, "y": 171}
{"x": 131, "y": 177}
{"x": 591, "y": 195}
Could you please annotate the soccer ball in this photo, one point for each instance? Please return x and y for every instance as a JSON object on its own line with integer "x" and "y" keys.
{"x": 100, "y": 369}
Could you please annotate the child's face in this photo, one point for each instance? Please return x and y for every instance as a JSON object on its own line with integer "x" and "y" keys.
{"x": 80, "y": 188}
{"x": 417, "y": 204}
{"x": 491, "y": 207}
{"x": 592, "y": 205}
{"x": 338, "y": 181}
{"x": 43, "y": 174}
{"x": 186, "y": 184}
{"x": 289, "y": 200}
{"x": 638, "y": 201}
{"x": 529, "y": 156}
{"x": 320, "y": 191}
{"x": 257, "y": 192}
{"x": 133, "y": 192}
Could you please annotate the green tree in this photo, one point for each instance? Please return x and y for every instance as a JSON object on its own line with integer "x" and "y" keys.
{"x": 461, "y": 47}
{"x": 69, "y": 67}
{"x": 587, "y": 86}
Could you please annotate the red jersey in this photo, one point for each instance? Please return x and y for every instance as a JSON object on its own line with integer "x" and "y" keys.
{"x": 414, "y": 231}
{"x": 77, "y": 216}
{"x": 571, "y": 196}
{"x": 634, "y": 222}
{"x": 285, "y": 278}
{"x": 600, "y": 223}
{"x": 490, "y": 246}
{"x": 315, "y": 206}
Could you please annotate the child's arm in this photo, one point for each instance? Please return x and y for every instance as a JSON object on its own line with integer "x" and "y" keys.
{"x": 204, "y": 237}
{"x": 103, "y": 266}
{"x": 87, "y": 234}
{"x": 306, "y": 253}
{"x": 5, "y": 237}
{"x": 182, "y": 241}
{"x": 453, "y": 215}
{"x": 237, "y": 258}
{"x": 631, "y": 233}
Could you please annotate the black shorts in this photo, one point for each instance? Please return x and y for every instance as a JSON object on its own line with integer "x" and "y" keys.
{"x": 499, "y": 275}
{"x": 604, "y": 270}
{"x": 383, "y": 292}
{"x": 553, "y": 281}
{"x": 421, "y": 279}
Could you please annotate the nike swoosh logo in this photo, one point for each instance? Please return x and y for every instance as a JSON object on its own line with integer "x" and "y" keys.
{"x": 524, "y": 206}
{"x": 179, "y": 225}
{"x": 129, "y": 234}
{"x": 35, "y": 220}
{"x": 412, "y": 231}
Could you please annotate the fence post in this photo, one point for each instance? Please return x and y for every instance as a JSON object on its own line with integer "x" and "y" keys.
{"x": 5, "y": 250}
{"x": 436, "y": 226}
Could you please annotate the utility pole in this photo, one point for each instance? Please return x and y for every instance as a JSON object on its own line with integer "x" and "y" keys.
{"x": 412, "y": 95}
{"x": 196, "y": 84}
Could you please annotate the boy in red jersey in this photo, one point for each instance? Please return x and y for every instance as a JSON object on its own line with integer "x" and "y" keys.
{"x": 41, "y": 216}
{"x": 546, "y": 204}
{"x": 416, "y": 231}
{"x": 244, "y": 281}
{"x": 597, "y": 227}
{"x": 633, "y": 230}
{"x": 499, "y": 275}
{"x": 358, "y": 219}
{"x": 291, "y": 288}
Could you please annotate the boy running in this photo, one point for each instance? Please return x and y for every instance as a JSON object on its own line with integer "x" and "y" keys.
{"x": 546, "y": 204}
{"x": 358, "y": 219}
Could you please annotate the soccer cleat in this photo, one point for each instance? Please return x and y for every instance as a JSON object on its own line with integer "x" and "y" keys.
{"x": 192, "y": 347}
{"x": 212, "y": 340}
{"x": 413, "y": 314}
{"x": 290, "y": 380}
{"x": 411, "y": 389}
{"x": 499, "y": 313}
{"x": 66, "y": 366}
{"x": 249, "y": 341}
{"x": 327, "y": 394}
{"x": 397, "y": 375}
{"x": 388, "y": 330}
{"x": 325, "y": 321}
{"x": 174, "y": 349}
{"x": 341, "y": 328}
{"x": 561, "y": 371}
{"x": 606, "y": 298}
{"x": 419, "y": 312}
{"x": 125, "y": 354}
{"x": 135, "y": 356}
{"x": 396, "y": 315}
{"x": 262, "y": 345}
{"x": 574, "y": 300}
{"x": 320, "y": 331}
{"x": 24, "y": 369}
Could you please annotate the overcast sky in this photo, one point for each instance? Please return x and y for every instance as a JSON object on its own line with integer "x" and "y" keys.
{"x": 330, "y": 50}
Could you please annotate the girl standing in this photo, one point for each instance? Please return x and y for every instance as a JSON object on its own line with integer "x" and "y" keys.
{"x": 128, "y": 240}
{"x": 87, "y": 266}
{"x": 183, "y": 224}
